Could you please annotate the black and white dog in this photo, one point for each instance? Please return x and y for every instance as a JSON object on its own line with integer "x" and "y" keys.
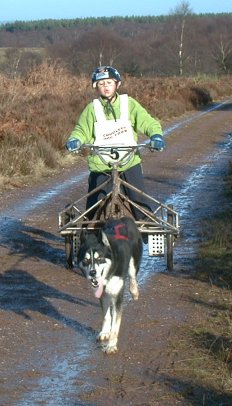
{"x": 106, "y": 258}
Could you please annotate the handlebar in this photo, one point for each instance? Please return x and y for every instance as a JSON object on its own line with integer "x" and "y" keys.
{"x": 113, "y": 156}
{"x": 94, "y": 147}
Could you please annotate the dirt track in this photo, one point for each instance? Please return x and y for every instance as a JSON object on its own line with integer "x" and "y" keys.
{"x": 49, "y": 317}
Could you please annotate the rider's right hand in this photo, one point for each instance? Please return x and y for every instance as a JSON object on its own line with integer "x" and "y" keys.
{"x": 73, "y": 144}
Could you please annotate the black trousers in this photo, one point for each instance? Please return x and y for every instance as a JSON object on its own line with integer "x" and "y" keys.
{"x": 133, "y": 176}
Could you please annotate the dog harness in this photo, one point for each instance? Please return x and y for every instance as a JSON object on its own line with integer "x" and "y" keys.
{"x": 117, "y": 235}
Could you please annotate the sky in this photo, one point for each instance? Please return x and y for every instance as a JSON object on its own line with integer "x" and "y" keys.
{"x": 28, "y": 10}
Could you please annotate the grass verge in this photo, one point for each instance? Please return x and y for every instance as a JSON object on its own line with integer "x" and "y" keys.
{"x": 206, "y": 339}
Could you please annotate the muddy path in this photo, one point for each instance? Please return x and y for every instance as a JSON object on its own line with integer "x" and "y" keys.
{"x": 48, "y": 315}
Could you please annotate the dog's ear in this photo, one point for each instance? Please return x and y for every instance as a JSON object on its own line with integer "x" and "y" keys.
{"x": 98, "y": 234}
{"x": 104, "y": 239}
{"x": 83, "y": 235}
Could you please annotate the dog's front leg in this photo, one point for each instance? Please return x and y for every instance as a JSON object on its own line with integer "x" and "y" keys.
{"x": 116, "y": 313}
{"x": 107, "y": 321}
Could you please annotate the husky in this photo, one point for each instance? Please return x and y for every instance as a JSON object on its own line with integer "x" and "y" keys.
{"x": 106, "y": 259}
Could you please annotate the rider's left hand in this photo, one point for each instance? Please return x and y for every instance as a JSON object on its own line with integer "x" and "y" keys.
{"x": 73, "y": 145}
{"x": 157, "y": 143}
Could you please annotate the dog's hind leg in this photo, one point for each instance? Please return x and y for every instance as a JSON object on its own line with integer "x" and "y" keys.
{"x": 133, "y": 286}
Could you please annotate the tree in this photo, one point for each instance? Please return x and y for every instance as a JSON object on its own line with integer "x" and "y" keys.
{"x": 181, "y": 12}
{"x": 18, "y": 61}
{"x": 221, "y": 45}
{"x": 97, "y": 47}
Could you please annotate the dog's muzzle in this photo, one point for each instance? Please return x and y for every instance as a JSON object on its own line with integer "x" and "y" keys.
{"x": 94, "y": 282}
{"x": 92, "y": 273}
{"x": 93, "y": 278}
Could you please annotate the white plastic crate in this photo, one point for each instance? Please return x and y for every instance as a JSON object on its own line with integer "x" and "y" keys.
{"x": 76, "y": 246}
{"x": 155, "y": 245}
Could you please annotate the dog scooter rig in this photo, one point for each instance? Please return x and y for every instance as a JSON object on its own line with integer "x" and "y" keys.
{"x": 161, "y": 225}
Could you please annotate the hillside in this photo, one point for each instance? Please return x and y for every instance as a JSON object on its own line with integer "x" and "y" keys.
{"x": 177, "y": 44}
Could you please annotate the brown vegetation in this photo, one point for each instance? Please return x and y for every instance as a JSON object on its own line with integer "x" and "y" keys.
{"x": 38, "y": 112}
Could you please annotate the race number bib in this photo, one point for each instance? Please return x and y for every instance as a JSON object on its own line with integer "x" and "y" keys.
{"x": 114, "y": 133}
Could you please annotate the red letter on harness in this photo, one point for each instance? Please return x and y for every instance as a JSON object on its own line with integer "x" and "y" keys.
{"x": 117, "y": 234}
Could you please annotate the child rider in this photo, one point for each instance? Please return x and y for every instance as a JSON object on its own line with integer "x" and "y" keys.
{"x": 114, "y": 119}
